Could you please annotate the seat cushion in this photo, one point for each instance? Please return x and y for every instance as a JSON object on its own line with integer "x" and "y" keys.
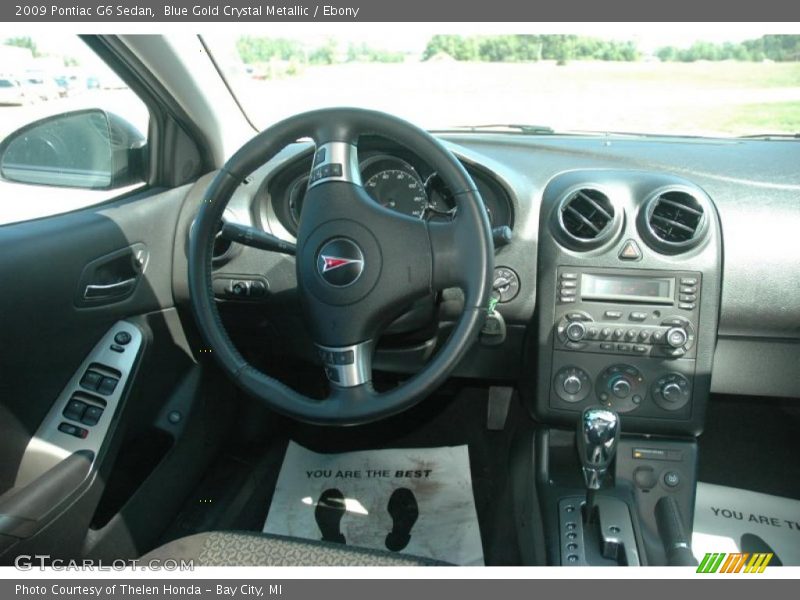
{"x": 247, "y": 549}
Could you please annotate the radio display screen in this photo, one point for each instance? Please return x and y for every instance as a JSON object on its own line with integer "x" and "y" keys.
{"x": 625, "y": 288}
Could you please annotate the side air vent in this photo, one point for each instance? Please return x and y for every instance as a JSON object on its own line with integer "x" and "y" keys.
{"x": 674, "y": 221}
{"x": 586, "y": 218}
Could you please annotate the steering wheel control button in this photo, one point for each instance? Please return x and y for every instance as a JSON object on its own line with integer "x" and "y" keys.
{"x": 123, "y": 338}
{"x": 671, "y": 392}
{"x": 672, "y": 479}
{"x": 630, "y": 251}
{"x": 73, "y": 430}
{"x": 572, "y": 384}
{"x": 340, "y": 262}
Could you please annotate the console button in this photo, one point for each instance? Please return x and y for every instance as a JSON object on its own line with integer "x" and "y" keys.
{"x": 576, "y": 331}
{"x": 638, "y": 316}
{"x": 687, "y": 289}
{"x": 624, "y": 347}
{"x": 569, "y": 276}
{"x": 657, "y": 337}
{"x": 91, "y": 380}
{"x": 688, "y": 280}
{"x": 686, "y": 306}
{"x": 618, "y": 333}
{"x": 672, "y": 479}
{"x": 566, "y": 293}
{"x": 630, "y": 251}
{"x": 568, "y": 284}
{"x": 613, "y": 314}
{"x": 565, "y": 300}
{"x": 74, "y": 410}
{"x": 640, "y": 349}
{"x": 605, "y": 332}
{"x": 606, "y": 346}
{"x": 630, "y": 334}
{"x": 677, "y": 337}
{"x": 644, "y": 334}
{"x": 687, "y": 297}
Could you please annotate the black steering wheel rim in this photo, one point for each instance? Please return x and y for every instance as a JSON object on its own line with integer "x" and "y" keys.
{"x": 411, "y": 257}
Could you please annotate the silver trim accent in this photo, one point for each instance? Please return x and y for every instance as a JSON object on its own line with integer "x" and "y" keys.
{"x": 616, "y": 531}
{"x": 571, "y": 515}
{"x": 49, "y": 446}
{"x": 355, "y": 373}
{"x": 336, "y": 153}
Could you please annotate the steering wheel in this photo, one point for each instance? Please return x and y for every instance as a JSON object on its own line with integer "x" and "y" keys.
{"x": 359, "y": 265}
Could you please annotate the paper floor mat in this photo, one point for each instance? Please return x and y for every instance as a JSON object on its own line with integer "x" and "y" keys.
{"x": 414, "y": 501}
{"x": 732, "y": 520}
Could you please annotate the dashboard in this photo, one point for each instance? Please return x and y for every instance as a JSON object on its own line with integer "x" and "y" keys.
{"x": 724, "y": 270}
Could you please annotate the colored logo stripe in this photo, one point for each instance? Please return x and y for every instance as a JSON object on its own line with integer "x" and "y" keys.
{"x": 734, "y": 563}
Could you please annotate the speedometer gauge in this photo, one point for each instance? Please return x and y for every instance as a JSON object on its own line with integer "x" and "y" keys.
{"x": 398, "y": 190}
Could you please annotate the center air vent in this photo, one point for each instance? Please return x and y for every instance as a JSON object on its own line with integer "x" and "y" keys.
{"x": 587, "y": 217}
{"x": 675, "y": 221}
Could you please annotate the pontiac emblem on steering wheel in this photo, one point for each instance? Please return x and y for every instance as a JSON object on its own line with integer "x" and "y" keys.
{"x": 340, "y": 262}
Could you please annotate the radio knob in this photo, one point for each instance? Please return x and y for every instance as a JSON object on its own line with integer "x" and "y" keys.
{"x": 572, "y": 384}
{"x": 677, "y": 337}
{"x": 576, "y": 331}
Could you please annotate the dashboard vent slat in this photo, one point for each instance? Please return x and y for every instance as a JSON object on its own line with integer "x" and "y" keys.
{"x": 675, "y": 217}
{"x": 587, "y": 214}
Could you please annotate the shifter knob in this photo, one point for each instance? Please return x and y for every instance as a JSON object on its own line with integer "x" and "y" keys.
{"x": 598, "y": 434}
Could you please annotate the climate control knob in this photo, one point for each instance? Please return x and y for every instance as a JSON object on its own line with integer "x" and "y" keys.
{"x": 671, "y": 391}
{"x": 677, "y": 337}
{"x": 576, "y": 331}
{"x": 621, "y": 387}
{"x": 572, "y": 384}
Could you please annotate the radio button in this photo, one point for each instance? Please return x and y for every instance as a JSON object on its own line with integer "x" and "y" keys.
{"x": 686, "y": 306}
{"x": 565, "y": 300}
{"x": 606, "y": 346}
{"x": 568, "y": 284}
{"x": 592, "y": 333}
{"x": 613, "y": 314}
{"x": 630, "y": 334}
{"x": 688, "y": 280}
{"x": 624, "y": 347}
{"x": 618, "y": 333}
{"x": 644, "y": 334}
{"x": 578, "y": 316}
{"x": 687, "y": 289}
{"x": 640, "y": 349}
{"x": 567, "y": 293}
{"x": 687, "y": 297}
{"x": 605, "y": 332}
{"x": 638, "y": 316}
{"x": 657, "y": 337}
{"x": 677, "y": 337}
{"x": 569, "y": 276}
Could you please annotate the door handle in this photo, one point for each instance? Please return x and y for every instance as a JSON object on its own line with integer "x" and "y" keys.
{"x": 110, "y": 290}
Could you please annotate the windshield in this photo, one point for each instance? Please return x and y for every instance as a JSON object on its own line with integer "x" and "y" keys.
{"x": 668, "y": 84}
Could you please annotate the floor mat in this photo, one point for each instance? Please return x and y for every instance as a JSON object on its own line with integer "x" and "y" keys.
{"x": 415, "y": 501}
{"x": 732, "y": 520}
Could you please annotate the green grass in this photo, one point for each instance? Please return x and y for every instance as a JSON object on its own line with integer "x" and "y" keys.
{"x": 773, "y": 117}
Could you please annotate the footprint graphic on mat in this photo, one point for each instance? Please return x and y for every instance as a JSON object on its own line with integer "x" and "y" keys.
{"x": 328, "y": 514}
{"x": 404, "y": 512}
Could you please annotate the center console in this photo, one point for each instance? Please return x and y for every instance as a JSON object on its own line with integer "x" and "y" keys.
{"x": 628, "y": 290}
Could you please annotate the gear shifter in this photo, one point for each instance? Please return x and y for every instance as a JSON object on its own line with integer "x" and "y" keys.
{"x": 598, "y": 434}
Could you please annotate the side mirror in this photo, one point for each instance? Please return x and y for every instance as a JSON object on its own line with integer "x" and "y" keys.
{"x": 90, "y": 149}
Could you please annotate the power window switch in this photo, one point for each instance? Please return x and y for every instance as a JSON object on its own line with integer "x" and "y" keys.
{"x": 91, "y": 380}
{"x": 74, "y": 410}
{"x": 92, "y": 415}
{"x": 73, "y": 430}
{"x": 107, "y": 386}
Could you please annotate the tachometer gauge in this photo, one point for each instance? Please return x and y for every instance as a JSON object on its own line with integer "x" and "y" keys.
{"x": 398, "y": 190}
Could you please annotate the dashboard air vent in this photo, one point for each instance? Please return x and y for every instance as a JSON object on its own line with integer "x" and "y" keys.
{"x": 675, "y": 219}
{"x": 587, "y": 214}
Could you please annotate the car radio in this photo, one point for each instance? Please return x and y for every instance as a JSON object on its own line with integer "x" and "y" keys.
{"x": 625, "y": 338}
